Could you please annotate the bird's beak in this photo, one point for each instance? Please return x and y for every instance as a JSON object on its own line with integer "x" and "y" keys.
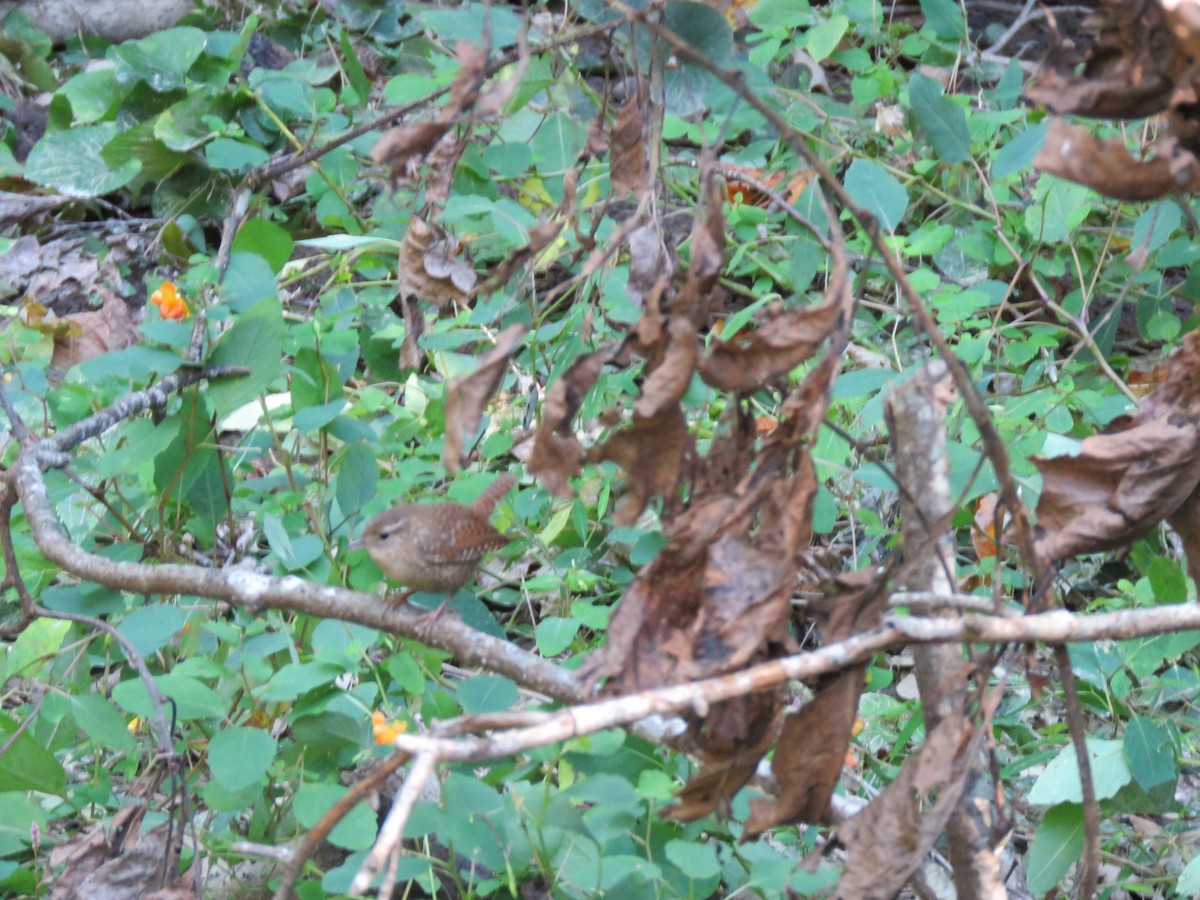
{"x": 355, "y": 544}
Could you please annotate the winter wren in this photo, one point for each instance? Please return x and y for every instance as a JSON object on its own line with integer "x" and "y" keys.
{"x": 435, "y": 547}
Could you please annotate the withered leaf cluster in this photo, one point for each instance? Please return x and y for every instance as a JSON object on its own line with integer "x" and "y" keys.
{"x": 1145, "y": 469}
{"x": 1142, "y": 64}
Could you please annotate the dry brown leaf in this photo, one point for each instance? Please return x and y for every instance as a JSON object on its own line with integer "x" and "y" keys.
{"x": 467, "y": 395}
{"x": 669, "y": 379}
{"x": 411, "y": 355}
{"x": 428, "y": 268}
{"x": 493, "y": 100}
{"x": 1130, "y": 73}
{"x": 708, "y": 237}
{"x": 82, "y": 336}
{"x": 651, "y": 451}
{"x": 1123, "y": 483}
{"x": 887, "y": 841}
{"x": 628, "y": 163}
{"x": 1106, "y": 166}
{"x": 812, "y": 746}
{"x": 405, "y": 144}
{"x": 557, "y": 453}
{"x": 750, "y": 360}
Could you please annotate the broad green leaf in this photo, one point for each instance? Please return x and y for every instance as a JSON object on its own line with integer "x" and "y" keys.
{"x": 555, "y": 634}
{"x": 823, "y": 38}
{"x": 486, "y": 693}
{"x": 1059, "y": 207}
{"x": 256, "y": 342}
{"x": 248, "y": 280}
{"x": 239, "y": 757}
{"x": 93, "y": 95}
{"x": 1017, "y": 155}
{"x": 26, "y": 765}
{"x": 102, "y": 722}
{"x": 161, "y": 60}
{"x": 295, "y": 679}
{"x": 151, "y": 627}
{"x": 878, "y": 192}
{"x": 946, "y": 18}
{"x": 1188, "y": 884}
{"x": 230, "y": 155}
{"x": 268, "y": 240}
{"x": 1057, "y": 844}
{"x": 70, "y": 162}
{"x": 942, "y": 120}
{"x": 1059, "y": 782}
{"x": 20, "y": 814}
{"x": 355, "y": 832}
{"x": 193, "y": 699}
{"x": 34, "y": 648}
{"x": 702, "y": 26}
{"x": 1149, "y": 751}
{"x": 695, "y": 858}
{"x": 357, "y": 477}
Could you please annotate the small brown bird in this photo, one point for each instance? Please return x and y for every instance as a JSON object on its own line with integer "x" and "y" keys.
{"x": 435, "y": 547}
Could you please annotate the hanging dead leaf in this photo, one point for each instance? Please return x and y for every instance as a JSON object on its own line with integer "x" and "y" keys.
{"x": 1123, "y": 483}
{"x": 750, "y": 360}
{"x": 405, "y": 144}
{"x": 1129, "y": 73}
{"x": 708, "y": 240}
{"x": 467, "y": 395}
{"x": 670, "y": 377}
{"x": 557, "y": 453}
{"x": 411, "y": 355}
{"x": 886, "y": 842}
{"x": 428, "y": 267}
{"x": 1106, "y": 166}
{"x": 811, "y": 750}
{"x": 494, "y": 99}
{"x": 651, "y": 452}
{"x": 627, "y": 162}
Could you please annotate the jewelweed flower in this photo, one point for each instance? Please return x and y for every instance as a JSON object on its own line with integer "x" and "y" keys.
{"x": 170, "y": 304}
{"x": 385, "y": 732}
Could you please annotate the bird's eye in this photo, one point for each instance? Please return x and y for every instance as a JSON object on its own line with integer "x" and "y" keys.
{"x": 383, "y": 535}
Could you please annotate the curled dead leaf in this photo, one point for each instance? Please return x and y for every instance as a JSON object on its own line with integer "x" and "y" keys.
{"x": 557, "y": 453}
{"x": 428, "y": 267}
{"x": 628, "y": 163}
{"x": 467, "y": 395}
{"x": 751, "y": 359}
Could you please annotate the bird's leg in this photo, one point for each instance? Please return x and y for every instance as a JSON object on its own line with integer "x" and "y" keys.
{"x": 426, "y": 623}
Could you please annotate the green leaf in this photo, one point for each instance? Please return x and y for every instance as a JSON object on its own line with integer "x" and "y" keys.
{"x": 355, "y": 832}
{"x": 943, "y": 121}
{"x": 70, "y": 162}
{"x": 193, "y": 699}
{"x": 1188, "y": 884}
{"x": 102, "y": 722}
{"x": 1149, "y": 751}
{"x": 93, "y": 95}
{"x": 255, "y": 341}
{"x": 20, "y": 813}
{"x": 230, "y": 155}
{"x": 151, "y": 627}
{"x": 26, "y": 765}
{"x": 239, "y": 757}
{"x": 946, "y": 19}
{"x": 486, "y": 693}
{"x": 702, "y": 26}
{"x": 1057, "y": 844}
{"x": 875, "y": 189}
{"x": 266, "y": 239}
{"x": 823, "y": 38}
{"x": 161, "y": 60}
{"x": 248, "y": 280}
{"x": 357, "y": 478}
{"x": 1059, "y": 782}
{"x": 554, "y": 635}
{"x": 34, "y": 648}
{"x": 693, "y": 858}
{"x": 1059, "y": 207}
{"x": 295, "y": 679}
{"x": 1017, "y": 155}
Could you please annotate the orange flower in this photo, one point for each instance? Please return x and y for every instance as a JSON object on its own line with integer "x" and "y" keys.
{"x": 386, "y": 732}
{"x": 170, "y": 304}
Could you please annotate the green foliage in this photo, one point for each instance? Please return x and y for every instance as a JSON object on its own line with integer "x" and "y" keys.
{"x": 1030, "y": 277}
